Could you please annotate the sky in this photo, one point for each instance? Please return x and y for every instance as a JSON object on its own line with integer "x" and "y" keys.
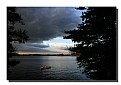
{"x": 45, "y": 27}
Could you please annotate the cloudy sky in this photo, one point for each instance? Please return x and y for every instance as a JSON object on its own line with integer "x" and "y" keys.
{"x": 45, "y": 27}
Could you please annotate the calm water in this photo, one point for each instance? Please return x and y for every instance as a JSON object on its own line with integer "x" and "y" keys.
{"x": 62, "y": 68}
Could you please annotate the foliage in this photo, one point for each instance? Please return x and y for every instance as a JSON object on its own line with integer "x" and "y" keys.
{"x": 96, "y": 38}
{"x": 14, "y": 35}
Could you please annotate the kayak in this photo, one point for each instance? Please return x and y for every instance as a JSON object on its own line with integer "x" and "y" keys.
{"x": 45, "y": 67}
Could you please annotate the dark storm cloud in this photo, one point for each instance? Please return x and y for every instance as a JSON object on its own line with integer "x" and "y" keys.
{"x": 32, "y": 47}
{"x": 47, "y": 23}
{"x": 37, "y": 45}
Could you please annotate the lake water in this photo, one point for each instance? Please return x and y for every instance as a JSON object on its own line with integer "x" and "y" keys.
{"x": 62, "y": 68}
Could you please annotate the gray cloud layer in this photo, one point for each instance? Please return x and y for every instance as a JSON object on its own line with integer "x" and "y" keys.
{"x": 32, "y": 47}
{"x": 47, "y": 23}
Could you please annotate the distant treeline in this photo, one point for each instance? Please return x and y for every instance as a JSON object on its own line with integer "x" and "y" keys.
{"x": 15, "y": 54}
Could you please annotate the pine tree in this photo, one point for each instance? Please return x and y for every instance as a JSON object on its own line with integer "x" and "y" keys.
{"x": 96, "y": 38}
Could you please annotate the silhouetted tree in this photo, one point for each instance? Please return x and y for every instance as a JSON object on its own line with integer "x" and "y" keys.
{"x": 13, "y": 34}
{"x": 96, "y": 38}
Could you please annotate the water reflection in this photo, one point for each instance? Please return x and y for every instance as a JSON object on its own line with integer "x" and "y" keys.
{"x": 11, "y": 63}
{"x": 62, "y": 68}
